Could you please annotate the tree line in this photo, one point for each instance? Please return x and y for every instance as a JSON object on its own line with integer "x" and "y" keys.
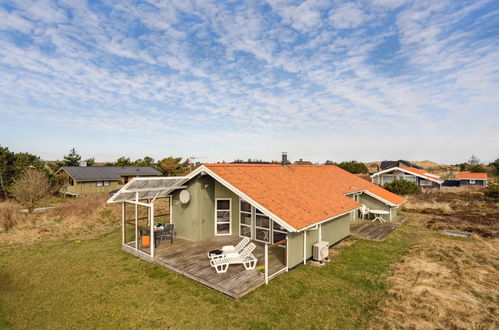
{"x": 25, "y": 176}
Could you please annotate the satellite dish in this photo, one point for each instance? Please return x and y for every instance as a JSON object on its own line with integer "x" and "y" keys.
{"x": 184, "y": 196}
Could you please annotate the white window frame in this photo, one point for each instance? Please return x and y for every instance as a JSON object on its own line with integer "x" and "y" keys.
{"x": 103, "y": 183}
{"x": 425, "y": 182}
{"x": 263, "y": 228}
{"x": 278, "y": 231}
{"x": 230, "y": 215}
{"x": 383, "y": 181}
{"x": 240, "y": 218}
{"x": 253, "y": 226}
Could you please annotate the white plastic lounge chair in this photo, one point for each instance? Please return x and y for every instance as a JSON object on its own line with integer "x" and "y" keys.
{"x": 245, "y": 257}
{"x": 230, "y": 249}
{"x": 238, "y": 248}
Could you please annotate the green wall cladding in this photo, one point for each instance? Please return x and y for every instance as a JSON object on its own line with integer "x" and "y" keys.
{"x": 373, "y": 203}
{"x": 222, "y": 192}
{"x": 196, "y": 219}
{"x": 333, "y": 231}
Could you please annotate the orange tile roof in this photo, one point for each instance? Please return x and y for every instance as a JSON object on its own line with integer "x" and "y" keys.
{"x": 424, "y": 173}
{"x": 472, "y": 176}
{"x": 300, "y": 195}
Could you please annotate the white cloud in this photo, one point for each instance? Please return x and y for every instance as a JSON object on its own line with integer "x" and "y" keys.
{"x": 11, "y": 21}
{"x": 347, "y": 16}
{"x": 303, "y": 17}
{"x": 236, "y": 74}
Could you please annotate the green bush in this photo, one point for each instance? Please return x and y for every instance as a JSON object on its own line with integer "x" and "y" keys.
{"x": 351, "y": 166}
{"x": 402, "y": 187}
{"x": 492, "y": 189}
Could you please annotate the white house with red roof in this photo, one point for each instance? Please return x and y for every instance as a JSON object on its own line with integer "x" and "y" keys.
{"x": 422, "y": 178}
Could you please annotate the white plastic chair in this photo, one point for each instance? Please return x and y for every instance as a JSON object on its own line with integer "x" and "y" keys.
{"x": 364, "y": 211}
{"x": 245, "y": 257}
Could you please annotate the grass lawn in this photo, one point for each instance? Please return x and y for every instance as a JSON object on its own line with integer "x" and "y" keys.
{"x": 96, "y": 285}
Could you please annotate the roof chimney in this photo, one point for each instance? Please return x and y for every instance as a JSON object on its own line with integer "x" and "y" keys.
{"x": 83, "y": 163}
{"x": 284, "y": 158}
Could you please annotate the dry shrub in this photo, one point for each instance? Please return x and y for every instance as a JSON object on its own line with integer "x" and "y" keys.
{"x": 335, "y": 250}
{"x": 10, "y": 215}
{"x": 428, "y": 207}
{"x": 444, "y": 283}
{"x": 83, "y": 207}
{"x": 83, "y": 217}
{"x": 463, "y": 209}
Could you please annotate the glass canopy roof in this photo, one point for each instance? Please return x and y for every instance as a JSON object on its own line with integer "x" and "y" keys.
{"x": 147, "y": 188}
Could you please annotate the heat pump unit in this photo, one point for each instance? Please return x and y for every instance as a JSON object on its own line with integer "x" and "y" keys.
{"x": 321, "y": 250}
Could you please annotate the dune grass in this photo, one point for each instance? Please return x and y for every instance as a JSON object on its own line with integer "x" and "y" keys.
{"x": 93, "y": 284}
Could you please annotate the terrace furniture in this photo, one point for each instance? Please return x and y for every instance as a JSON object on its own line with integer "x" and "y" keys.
{"x": 246, "y": 258}
{"x": 229, "y": 249}
{"x": 378, "y": 215}
{"x": 167, "y": 232}
{"x": 364, "y": 211}
{"x": 238, "y": 248}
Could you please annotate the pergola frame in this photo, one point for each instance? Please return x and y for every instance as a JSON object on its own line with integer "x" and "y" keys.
{"x": 150, "y": 189}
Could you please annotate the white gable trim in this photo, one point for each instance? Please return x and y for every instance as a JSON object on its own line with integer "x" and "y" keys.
{"x": 244, "y": 196}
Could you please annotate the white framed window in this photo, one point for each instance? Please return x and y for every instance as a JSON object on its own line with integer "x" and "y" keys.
{"x": 424, "y": 182}
{"x": 278, "y": 232}
{"x": 102, "y": 183}
{"x": 262, "y": 227}
{"x": 71, "y": 182}
{"x": 410, "y": 178}
{"x": 223, "y": 216}
{"x": 245, "y": 220}
{"x": 256, "y": 225}
{"x": 472, "y": 181}
{"x": 387, "y": 178}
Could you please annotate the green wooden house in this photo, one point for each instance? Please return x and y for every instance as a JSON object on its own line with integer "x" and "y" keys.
{"x": 86, "y": 180}
{"x": 285, "y": 209}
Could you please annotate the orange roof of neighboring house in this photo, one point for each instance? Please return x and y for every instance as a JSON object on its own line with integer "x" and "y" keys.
{"x": 424, "y": 173}
{"x": 472, "y": 176}
{"x": 300, "y": 195}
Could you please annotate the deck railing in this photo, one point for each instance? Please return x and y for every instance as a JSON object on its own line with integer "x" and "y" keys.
{"x": 267, "y": 247}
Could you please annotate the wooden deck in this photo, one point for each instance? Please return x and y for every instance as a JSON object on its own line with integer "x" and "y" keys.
{"x": 189, "y": 258}
{"x": 374, "y": 231}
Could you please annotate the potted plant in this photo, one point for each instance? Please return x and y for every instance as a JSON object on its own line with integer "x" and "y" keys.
{"x": 261, "y": 269}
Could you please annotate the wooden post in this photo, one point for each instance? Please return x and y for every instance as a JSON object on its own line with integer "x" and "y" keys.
{"x": 170, "y": 205}
{"x": 305, "y": 247}
{"x": 136, "y": 222}
{"x": 286, "y": 251}
{"x": 152, "y": 229}
{"x": 123, "y": 229}
{"x": 148, "y": 213}
{"x": 266, "y": 263}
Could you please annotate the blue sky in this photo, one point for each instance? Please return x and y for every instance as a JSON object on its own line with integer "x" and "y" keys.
{"x": 339, "y": 80}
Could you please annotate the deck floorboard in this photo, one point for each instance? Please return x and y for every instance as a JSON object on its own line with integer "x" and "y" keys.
{"x": 374, "y": 231}
{"x": 190, "y": 259}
